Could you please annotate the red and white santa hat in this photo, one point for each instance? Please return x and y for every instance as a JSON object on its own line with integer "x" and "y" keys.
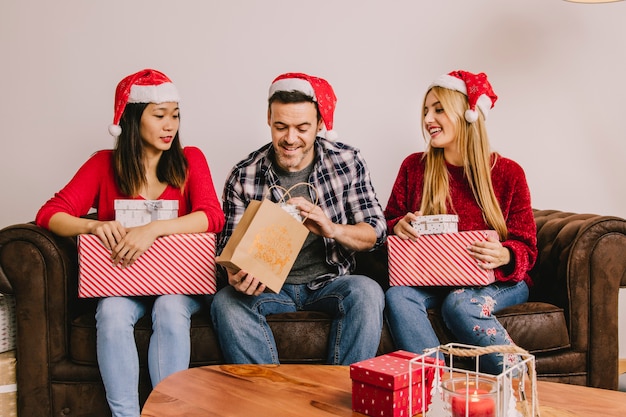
{"x": 317, "y": 88}
{"x": 475, "y": 86}
{"x": 145, "y": 86}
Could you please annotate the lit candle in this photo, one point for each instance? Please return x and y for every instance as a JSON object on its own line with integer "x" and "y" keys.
{"x": 476, "y": 404}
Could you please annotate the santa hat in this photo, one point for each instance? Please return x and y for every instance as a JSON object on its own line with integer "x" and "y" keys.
{"x": 317, "y": 88}
{"x": 145, "y": 86}
{"x": 475, "y": 86}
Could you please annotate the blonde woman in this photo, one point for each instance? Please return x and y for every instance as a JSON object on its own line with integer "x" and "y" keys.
{"x": 459, "y": 174}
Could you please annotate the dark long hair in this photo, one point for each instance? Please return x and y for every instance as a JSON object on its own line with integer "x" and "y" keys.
{"x": 129, "y": 152}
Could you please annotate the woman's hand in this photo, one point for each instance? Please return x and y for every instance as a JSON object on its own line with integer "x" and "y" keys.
{"x": 136, "y": 241}
{"x": 404, "y": 230}
{"x": 245, "y": 283}
{"x": 110, "y": 233}
{"x": 490, "y": 254}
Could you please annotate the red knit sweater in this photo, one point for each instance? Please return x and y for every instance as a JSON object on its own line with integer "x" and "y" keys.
{"x": 512, "y": 193}
{"x": 93, "y": 186}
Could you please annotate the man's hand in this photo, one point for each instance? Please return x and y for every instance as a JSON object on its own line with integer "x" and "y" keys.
{"x": 357, "y": 237}
{"x": 314, "y": 218}
{"x": 244, "y": 283}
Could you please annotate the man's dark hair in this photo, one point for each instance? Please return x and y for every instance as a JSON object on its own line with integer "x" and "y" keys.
{"x": 294, "y": 96}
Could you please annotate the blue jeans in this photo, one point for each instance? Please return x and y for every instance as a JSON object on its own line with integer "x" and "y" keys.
{"x": 467, "y": 312}
{"x": 355, "y": 302}
{"x": 169, "y": 350}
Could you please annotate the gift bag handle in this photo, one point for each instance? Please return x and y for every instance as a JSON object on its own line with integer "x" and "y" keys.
{"x": 287, "y": 193}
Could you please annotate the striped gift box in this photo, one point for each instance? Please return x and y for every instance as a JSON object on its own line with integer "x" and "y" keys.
{"x": 174, "y": 264}
{"x": 437, "y": 260}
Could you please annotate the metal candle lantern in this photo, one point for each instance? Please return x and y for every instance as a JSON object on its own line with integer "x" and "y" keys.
{"x": 460, "y": 389}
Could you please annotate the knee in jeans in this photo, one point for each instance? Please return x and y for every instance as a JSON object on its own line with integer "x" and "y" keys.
{"x": 458, "y": 308}
{"x": 395, "y": 294}
{"x": 369, "y": 291}
{"x": 111, "y": 315}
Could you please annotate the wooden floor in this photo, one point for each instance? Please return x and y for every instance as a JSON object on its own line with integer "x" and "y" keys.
{"x": 622, "y": 366}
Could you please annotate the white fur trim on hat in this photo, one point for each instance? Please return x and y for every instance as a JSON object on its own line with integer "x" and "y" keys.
{"x": 450, "y": 82}
{"x": 162, "y": 93}
{"x": 292, "y": 84}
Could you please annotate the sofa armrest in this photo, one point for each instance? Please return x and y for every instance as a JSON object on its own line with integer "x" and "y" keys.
{"x": 40, "y": 269}
{"x": 581, "y": 266}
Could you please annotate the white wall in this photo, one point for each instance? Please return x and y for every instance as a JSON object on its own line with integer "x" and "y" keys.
{"x": 558, "y": 67}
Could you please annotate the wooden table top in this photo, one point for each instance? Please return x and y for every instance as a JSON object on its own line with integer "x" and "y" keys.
{"x": 322, "y": 390}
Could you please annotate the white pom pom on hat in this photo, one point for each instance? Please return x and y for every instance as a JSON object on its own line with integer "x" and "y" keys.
{"x": 475, "y": 86}
{"x": 145, "y": 86}
{"x": 317, "y": 88}
{"x": 115, "y": 130}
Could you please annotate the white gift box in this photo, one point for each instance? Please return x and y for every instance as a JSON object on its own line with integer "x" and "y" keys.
{"x": 438, "y": 260}
{"x": 132, "y": 213}
{"x": 7, "y": 322}
{"x": 436, "y": 224}
{"x": 174, "y": 264}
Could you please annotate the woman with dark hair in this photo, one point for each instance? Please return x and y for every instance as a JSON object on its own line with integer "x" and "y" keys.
{"x": 459, "y": 174}
{"x": 148, "y": 163}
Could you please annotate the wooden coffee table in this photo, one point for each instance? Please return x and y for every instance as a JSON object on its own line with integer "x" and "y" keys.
{"x": 322, "y": 390}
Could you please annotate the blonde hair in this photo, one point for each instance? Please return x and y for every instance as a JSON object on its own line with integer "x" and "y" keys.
{"x": 473, "y": 144}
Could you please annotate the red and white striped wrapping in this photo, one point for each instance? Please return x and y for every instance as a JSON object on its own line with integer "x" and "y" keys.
{"x": 437, "y": 260}
{"x": 174, "y": 264}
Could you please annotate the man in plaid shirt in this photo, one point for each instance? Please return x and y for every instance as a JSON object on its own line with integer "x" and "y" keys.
{"x": 347, "y": 218}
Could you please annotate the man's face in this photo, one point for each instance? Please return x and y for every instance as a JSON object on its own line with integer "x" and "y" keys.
{"x": 294, "y": 127}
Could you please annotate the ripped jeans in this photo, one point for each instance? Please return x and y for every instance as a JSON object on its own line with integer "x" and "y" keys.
{"x": 467, "y": 312}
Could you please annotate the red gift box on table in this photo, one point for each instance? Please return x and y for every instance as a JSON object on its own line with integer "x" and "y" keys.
{"x": 437, "y": 260}
{"x": 380, "y": 386}
{"x": 174, "y": 264}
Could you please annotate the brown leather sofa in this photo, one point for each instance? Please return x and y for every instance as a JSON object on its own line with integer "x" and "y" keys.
{"x": 570, "y": 322}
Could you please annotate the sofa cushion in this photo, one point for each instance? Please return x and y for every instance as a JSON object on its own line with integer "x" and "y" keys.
{"x": 537, "y": 327}
{"x": 301, "y": 337}
{"x": 534, "y": 326}
{"x": 204, "y": 347}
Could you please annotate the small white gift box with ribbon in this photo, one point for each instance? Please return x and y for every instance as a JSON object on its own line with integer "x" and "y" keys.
{"x": 436, "y": 224}
{"x": 132, "y": 213}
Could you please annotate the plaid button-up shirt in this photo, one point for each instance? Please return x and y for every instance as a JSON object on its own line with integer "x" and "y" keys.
{"x": 344, "y": 192}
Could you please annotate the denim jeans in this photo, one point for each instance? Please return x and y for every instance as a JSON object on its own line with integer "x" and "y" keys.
{"x": 467, "y": 312}
{"x": 169, "y": 350}
{"x": 355, "y": 302}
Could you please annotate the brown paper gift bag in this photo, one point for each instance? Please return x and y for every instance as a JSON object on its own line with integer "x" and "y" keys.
{"x": 265, "y": 243}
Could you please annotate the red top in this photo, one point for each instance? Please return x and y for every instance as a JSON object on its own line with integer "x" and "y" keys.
{"x": 512, "y": 193}
{"x": 94, "y": 186}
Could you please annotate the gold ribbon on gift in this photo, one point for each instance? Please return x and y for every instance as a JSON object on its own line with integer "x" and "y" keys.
{"x": 474, "y": 351}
